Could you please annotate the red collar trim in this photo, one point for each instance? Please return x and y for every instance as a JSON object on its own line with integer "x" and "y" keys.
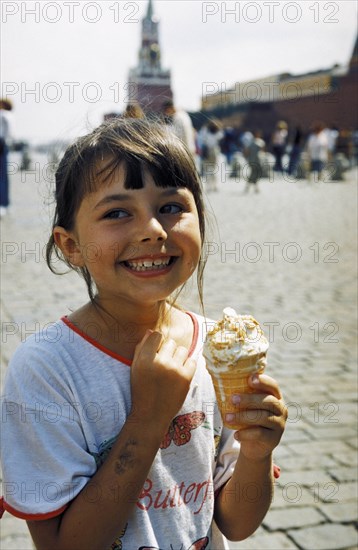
{"x": 118, "y": 357}
{"x": 195, "y": 333}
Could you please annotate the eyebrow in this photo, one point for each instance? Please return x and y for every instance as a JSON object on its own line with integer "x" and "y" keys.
{"x": 123, "y": 197}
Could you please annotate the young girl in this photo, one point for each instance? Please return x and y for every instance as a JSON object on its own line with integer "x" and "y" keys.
{"x": 111, "y": 436}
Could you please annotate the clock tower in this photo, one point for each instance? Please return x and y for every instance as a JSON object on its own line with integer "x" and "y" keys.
{"x": 149, "y": 84}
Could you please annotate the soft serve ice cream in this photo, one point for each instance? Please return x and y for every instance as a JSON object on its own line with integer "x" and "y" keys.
{"x": 235, "y": 348}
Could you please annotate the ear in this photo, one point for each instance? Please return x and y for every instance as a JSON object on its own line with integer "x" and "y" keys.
{"x": 69, "y": 245}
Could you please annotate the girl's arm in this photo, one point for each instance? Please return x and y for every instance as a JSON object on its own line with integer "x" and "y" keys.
{"x": 96, "y": 522}
{"x": 243, "y": 502}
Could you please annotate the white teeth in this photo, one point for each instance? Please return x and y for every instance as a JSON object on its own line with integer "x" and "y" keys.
{"x": 143, "y": 265}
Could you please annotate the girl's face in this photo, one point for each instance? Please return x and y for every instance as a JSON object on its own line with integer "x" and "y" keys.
{"x": 139, "y": 245}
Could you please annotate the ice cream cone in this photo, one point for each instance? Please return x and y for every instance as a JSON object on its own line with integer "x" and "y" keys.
{"x": 234, "y": 349}
{"x": 236, "y": 382}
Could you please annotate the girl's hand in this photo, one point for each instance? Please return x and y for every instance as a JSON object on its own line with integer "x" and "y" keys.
{"x": 262, "y": 416}
{"x": 161, "y": 373}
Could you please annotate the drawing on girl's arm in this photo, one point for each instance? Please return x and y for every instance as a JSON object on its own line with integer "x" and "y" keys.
{"x": 103, "y": 451}
{"x": 180, "y": 428}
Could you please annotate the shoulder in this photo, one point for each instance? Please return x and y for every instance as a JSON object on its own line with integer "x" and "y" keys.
{"x": 201, "y": 327}
{"x": 43, "y": 355}
{"x": 183, "y": 117}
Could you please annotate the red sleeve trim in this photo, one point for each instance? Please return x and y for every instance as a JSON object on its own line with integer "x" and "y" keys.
{"x": 276, "y": 471}
{"x": 32, "y": 517}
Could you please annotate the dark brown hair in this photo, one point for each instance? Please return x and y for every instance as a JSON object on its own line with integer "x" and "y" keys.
{"x": 140, "y": 145}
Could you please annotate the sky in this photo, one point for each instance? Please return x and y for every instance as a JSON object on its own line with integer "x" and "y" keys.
{"x": 65, "y": 63}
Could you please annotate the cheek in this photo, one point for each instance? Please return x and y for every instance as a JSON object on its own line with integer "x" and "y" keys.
{"x": 189, "y": 238}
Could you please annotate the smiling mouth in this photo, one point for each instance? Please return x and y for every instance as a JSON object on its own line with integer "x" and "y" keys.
{"x": 149, "y": 265}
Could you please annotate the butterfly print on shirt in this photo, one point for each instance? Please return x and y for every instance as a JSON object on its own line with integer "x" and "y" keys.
{"x": 180, "y": 428}
{"x": 199, "y": 544}
{"x": 117, "y": 544}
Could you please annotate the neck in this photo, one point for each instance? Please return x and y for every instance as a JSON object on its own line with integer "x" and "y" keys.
{"x": 121, "y": 332}
{"x": 154, "y": 317}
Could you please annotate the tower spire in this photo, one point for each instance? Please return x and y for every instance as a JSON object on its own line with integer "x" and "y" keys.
{"x": 149, "y": 10}
{"x": 151, "y": 83}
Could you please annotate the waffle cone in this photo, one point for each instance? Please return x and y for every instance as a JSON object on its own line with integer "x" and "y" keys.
{"x": 230, "y": 383}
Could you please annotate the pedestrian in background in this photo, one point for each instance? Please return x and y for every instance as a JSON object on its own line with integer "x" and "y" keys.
{"x": 181, "y": 124}
{"x": 317, "y": 149}
{"x": 5, "y": 108}
{"x": 279, "y": 139}
{"x": 133, "y": 110}
{"x": 210, "y": 154}
{"x": 229, "y": 143}
{"x": 252, "y": 155}
{"x": 246, "y": 138}
{"x": 295, "y": 153}
{"x": 332, "y": 136}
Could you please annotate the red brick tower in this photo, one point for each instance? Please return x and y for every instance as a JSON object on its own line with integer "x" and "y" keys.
{"x": 149, "y": 84}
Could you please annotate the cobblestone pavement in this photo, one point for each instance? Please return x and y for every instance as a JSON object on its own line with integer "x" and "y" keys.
{"x": 287, "y": 255}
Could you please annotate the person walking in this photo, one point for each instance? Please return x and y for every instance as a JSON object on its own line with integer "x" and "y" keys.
{"x": 252, "y": 155}
{"x": 5, "y": 108}
{"x": 111, "y": 410}
{"x": 279, "y": 145}
{"x": 295, "y": 153}
{"x": 133, "y": 110}
{"x": 317, "y": 149}
{"x": 210, "y": 155}
{"x": 181, "y": 124}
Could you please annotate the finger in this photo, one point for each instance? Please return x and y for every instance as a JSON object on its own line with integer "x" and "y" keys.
{"x": 140, "y": 345}
{"x": 255, "y": 417}
{"x": 255, "y": 433}
{"x": 190, "y": 367}
{"x": 148, "y": 346}
{"x": 181, "y": 354}
{"x": 248, "y": 418}
{"x": 258, "y": 401}
{"x": 168, "y": 348}
{"x": 265, "y": 384}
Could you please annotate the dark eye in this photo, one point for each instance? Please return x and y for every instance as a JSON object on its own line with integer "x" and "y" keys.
{"x": 116, "y": 214}
{"x": 171, "y": 209}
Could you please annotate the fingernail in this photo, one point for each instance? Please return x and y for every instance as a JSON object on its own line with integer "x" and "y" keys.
{"x": 229, "y": 417}
{"x": 236, "y": 399}
{"x": 255, "y": 379}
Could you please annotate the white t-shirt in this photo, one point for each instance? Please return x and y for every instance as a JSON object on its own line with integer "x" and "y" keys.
{"x": 317, "y": 146}
{"x": 66, "y": 399}
{"x": 183, "y": 128}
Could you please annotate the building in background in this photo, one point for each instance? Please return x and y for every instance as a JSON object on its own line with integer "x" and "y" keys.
{"x": 149, "y": 85}
{"x": 329, "y": 95}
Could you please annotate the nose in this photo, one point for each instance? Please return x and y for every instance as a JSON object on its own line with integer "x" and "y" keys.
{"x": 152, "y": 230}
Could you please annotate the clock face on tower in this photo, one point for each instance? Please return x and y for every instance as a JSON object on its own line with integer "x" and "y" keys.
{"x": 154, "y": 52}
